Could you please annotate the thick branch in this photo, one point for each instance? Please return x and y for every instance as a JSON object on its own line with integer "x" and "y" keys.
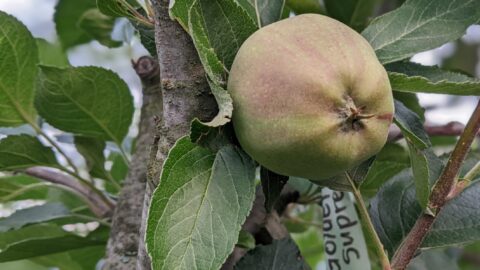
{"x": 445, "y": 184}
{"x": 124, "y": 237}
{"x": 99, "y": 205}
{"x": 186, "y": 95}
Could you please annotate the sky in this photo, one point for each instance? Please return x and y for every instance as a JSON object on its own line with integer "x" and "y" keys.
{"x": 37, "y": 16}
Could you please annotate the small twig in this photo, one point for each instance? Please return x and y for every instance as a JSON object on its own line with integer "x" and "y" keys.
{"x": 40, "y": 132}
{"x": 274, "y": 226}
{"x": 55, "y": 145}
{"x": 448, "y": 179}
{"x": 24, "y": 189}
{"x": 368, "y": 225}
{"x": 149, "y": 10}
{"x": 112, "y": 181}
{"x": 139, "y": 17}
{"x": 123, "y": 153}
{"x": 100, "y": 205}
{"x": 440, "y": 194}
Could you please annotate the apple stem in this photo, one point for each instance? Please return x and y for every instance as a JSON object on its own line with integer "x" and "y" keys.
{"x": 356, "y": 115}
{"x": 368, "y": 225}
{"x": 364, "y": 116}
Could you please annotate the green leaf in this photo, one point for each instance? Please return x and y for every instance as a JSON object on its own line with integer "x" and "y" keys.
{"x": 354, "y": 13}
{"x": 211, "y": 137}
{"x": 99, "y": 26}
{"x": 119, "y": 168}
{"x": 345, "y": 246}
{"x": 272, "y": 185}
{"x": 32, "y": 215}
{"x": 420, "y": 25}
{"x": 22, "y": 265}
{"x": 212, "y": 64}
{"x": 147, "y": 36}
{"x": 77, "y": 259}
{"x": 51, "y": 54}
{"x": 249, "y": 7}
{"x": 458, "y": 222}
{"x": 426, "y": 167}
{"x": 246, "y": 240}
{"x": 390, "y": 161}
{"x": 395, "y": 209}
{"x": 378, "y": 174}
{"x": 341, "y": 181}
{"x": 24, "y": 151}
{"x": 310, "y": 244}
{"x": 88, "y": 101}
{"x": 303, "y": 186}
{"x": 397, "y": 199}
{"x": 280, "y": 255}
{"x": 211, "y": 46}
{"x": 65, "y": 197}
{"x": 410, "y": 100}
{"x": 434, "y": 259}
{"x": 66, "y": 17}
{"x": 306, "y": 6}
{"x": 199, "y": 206}
{"x": 92, "y": 151}
{"x": 217, "y": 46}
{"x": 44, "y": 239}
{"x": 225, "y": 26}
{"x": 115, "y": 8}
{"x": 179, "y": 10}
{"x": 411, "y": 77}
{"x": 22, "y": 187}
{"x": 411, "y": 126}
{"x": 18, "y": 72}
{"x": 225, "y": 109}
{"x": 268, "y": 11}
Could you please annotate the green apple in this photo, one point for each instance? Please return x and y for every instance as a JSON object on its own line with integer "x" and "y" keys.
{"x": 310, "y": 97}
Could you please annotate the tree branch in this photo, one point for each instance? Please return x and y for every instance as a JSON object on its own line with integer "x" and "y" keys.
{"x": 124, "y": 237}
{"x": 186, "y": 95}
{"x": 100, "y": 205}
{"x": 439, "y": 196}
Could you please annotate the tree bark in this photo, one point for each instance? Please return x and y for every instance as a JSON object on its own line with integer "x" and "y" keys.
{"x": 186, "y": 95}
{"x": 124, "y": 236}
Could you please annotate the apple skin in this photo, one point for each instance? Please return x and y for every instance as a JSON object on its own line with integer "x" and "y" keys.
{"x": 310, "y": 97}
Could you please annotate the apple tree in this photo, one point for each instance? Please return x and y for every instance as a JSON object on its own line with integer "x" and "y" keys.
{"x": 274, "y": 134}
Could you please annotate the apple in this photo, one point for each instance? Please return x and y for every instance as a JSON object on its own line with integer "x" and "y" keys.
{"x": 310, "y": 97}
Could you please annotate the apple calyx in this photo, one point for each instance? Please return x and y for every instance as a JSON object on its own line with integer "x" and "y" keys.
{"x": 353, "y": 116}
